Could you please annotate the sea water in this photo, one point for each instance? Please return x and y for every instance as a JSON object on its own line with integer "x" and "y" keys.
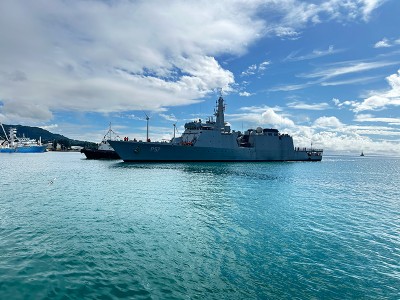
{"x": 72, "y": 228}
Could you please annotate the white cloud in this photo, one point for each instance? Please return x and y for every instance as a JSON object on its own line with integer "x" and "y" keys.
{"x": 24, "y": 112}
{"x": 375, "y": 102}
{"x": 336, "y": 101}
{"x": 272, "y": 118}
{"x": 347, "y": 103}
{"x": 345, "y": 68}
{"x": 286, "y": 33}
{"x": 114, "y": 56}
{"x": 290, "y": 87}
{"x": 170, "y": 117}
{"x": 347, "y": 143}
{"x": 387, "y": 43}
{"x": 251, "y": 70}
{"x": 347, "y": 139}
{"x": 261, "y": 116}
{"x": 306, "y": 106}
{"x": 314, "y": 54}
{"x": 328, "y": 122}
{"x": 264, "y": 65}
{"x": 258, "y": 109}
{"x": 93, "y": 56}
{"x": 379, "y": 100}
{"x": 371, "y": 118}
{"x": 325, "y": 73}
{"x": 361, "y": 80}
{"x": 384, "y": 43}
{"x": 256, "y": 69}
{"x": 302, "y": 12}
{"x": 132, "y": 116}
{"x": 245, "y": 94}
{"x": 327, "y": 132}
{"x": 50, "y": 127}
{"x": 370, "y": 5}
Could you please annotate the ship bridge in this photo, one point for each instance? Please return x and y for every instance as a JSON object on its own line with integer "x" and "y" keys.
{"x": 211, "y": 124}
{"x": 199, "y": 125}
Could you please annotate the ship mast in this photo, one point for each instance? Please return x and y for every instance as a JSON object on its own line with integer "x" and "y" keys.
{"x": 147, "y": 126}
{"x": 5, "y": 134}
{"x": 219, "y": 114}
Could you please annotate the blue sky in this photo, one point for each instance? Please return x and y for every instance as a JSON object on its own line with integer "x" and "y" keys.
{"x": 326, "y": 72}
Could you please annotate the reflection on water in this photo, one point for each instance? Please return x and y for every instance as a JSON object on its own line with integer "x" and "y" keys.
{"x": 214, "y": 168}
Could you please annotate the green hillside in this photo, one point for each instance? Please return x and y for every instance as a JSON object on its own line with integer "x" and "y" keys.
{"x": 46, "y": 136}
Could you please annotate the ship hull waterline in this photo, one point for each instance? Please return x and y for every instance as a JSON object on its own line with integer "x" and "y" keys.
{"x": 131, "y": 151}
{"x": 100, "y": 154}
{"x": 27, "y": 149}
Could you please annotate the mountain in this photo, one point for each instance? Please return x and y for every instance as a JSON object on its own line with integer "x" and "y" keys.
{"x": 46, "y": 136}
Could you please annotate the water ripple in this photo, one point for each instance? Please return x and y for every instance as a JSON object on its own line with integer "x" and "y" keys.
{"x": 106, "y": 229}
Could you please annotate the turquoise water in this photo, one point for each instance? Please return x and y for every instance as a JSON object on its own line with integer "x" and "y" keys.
{"x": 72, "y": 228}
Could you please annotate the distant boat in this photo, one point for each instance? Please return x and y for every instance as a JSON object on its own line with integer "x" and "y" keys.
{"x": 14, "y": 144}
{"x": 104, "y": 150}
{"x": 362, "y": 153}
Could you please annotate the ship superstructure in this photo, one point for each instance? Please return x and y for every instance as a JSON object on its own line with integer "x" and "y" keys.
{"x": 214, "y": 140}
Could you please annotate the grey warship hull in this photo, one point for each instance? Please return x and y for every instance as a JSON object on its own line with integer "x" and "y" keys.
{"x": 214, "y": 140}
{"x": 131, "y": 151}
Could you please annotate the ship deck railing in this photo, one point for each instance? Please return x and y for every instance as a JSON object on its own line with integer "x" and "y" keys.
{"x": 299, "y": 149}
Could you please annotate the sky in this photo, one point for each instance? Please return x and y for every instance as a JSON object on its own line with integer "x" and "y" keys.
{"x": 325, "y": 72}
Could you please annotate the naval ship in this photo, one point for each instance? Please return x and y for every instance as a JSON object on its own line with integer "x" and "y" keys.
{"x": 214, "y": 140}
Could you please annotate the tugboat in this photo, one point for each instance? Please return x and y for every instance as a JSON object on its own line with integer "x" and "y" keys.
{"x": 214, "y": 140}
{"x": 14, "y": 144}
{"x": 104, "y": 150}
